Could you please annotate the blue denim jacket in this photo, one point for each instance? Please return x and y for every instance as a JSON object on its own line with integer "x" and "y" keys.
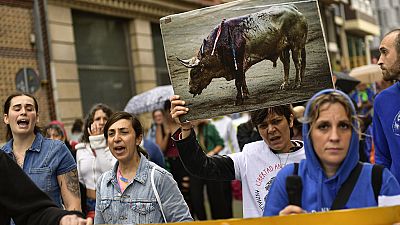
{"x": 44, "y": 161}
{"x": 138, "y": 204}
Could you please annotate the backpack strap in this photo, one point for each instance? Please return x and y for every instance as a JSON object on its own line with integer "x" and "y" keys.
{"x": 156, "y": 193}
{"x": 377, "y": 172}
{"x": 347, "y": 188}
{"x": 296, "y": 169}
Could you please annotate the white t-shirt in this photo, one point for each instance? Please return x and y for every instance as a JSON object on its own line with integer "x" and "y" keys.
{"x": 256, "y": 166}
{"x": 228, "y": 134}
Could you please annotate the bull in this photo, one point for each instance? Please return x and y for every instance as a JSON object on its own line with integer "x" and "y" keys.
{"x": 238, "y": 43}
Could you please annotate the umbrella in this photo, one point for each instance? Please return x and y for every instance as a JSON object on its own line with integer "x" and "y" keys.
{"x": 345, "y": 82}
{"x": 367, "y": 74}
{"x": 149, "y": 100}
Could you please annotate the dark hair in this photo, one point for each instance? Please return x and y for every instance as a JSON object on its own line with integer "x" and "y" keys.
{"x": 136, "y": 125}
{"x": 55, "y": 127}
{"x": 77, "y": 126}
{"x": 396, "y": 41}
{"x": 167, "y": 106}
{"x": 89, "y": 119}
{"x": 258, "y": 116}
{"x": 6, "y": 108}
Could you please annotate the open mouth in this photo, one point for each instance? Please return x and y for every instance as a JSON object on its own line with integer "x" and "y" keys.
{"x": 275, "y": 138}
{"x": 119, "y": 149}
{"x": 23, "y": 123}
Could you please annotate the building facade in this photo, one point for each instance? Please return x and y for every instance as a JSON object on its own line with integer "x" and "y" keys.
{"x": 349, "y": 27}
{"x": 387, "y": 12}
{"x": 85, "y": 51}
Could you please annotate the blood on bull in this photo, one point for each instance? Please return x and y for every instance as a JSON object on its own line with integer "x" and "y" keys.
{"x": 238, "y": 43}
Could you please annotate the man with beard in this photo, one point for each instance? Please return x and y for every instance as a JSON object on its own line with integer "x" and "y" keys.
{"x": 386, "y": 120}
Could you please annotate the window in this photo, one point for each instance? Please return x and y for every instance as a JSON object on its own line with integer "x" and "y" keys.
{"x": 103, "y": 59}
{"x": 159, "y": 56}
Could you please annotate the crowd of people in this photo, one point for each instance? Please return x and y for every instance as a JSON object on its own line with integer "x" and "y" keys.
{"x": 290, "y": 160}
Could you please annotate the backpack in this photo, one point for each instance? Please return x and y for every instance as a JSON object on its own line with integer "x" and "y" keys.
{"x": 347, "y": 187}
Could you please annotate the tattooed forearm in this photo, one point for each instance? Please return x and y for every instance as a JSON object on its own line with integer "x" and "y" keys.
{"x": 72, "y": 182}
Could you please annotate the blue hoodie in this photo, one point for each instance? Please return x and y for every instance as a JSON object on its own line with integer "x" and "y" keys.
{"x": 319, "y": 191}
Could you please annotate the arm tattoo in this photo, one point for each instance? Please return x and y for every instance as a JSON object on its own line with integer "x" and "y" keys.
{"x": 71, "y": 178}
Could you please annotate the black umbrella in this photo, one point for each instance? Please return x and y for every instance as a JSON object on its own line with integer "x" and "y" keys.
{"x": 345, "y": 82}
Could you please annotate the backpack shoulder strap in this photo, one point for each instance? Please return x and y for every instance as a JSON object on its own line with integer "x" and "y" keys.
{"x": 296, "y": 169}
{"x": 156, "y": 193}
{"x": 376, "y": 179}
{"x": 347, "y": 188}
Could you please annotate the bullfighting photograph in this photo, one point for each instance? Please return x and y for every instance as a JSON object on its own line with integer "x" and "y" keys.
{"x": 246, "y": 55}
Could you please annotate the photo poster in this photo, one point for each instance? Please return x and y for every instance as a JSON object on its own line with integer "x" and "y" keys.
{"x": 233, "y": 57}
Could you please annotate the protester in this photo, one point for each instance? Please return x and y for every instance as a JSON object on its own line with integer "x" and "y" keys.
{"x": 76, "y": 132}
{"x": 298, "y": 112}
{"x": 93, "y": 157}
{"x": 25, "y": 203}
{"x": 47, "y": 162}
{"x": 127, "y": 193}
{"x": 55, "y": 130}
{"x": 386, "y": 120}
{"x": 247, "y": 133}
{"x": 369, "y": 147}
{"x": 331, "y": 133}
{"x": 155, "y": 153}
{"x": 158, "y": 120}
{"x": 258, "y": 163}
{"x": 173, "y": 163}
{"x": 363, "y": 98}
{"x": 217, "y": 191}
{"x": 227, "y": 132}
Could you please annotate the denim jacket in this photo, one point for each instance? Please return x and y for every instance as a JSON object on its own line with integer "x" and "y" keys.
{"x": 138, "y": 204}
{"x": 44, "y": 161}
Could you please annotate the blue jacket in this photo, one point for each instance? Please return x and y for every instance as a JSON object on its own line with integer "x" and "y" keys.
{"x": 44, "y": 161}
{"x": 138, "y": 203}
{"x": 319, "y": 191}
{"x": 386, "y": 129}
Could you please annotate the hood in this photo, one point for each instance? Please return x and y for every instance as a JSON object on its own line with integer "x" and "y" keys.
{"x": 313, "y": 165}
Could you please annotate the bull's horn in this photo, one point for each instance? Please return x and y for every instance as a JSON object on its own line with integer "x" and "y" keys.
{"x": 186, "y": 62}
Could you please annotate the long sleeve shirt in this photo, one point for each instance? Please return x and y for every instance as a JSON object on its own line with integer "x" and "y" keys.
{"x": 22, "y": 200}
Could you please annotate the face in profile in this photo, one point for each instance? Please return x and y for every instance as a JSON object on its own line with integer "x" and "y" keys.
{"x": 275, "y": 131}
{"x": 389, "y": 61}
{"x": 331, "y": 134}
{"x": 122, "y": 140}
{"x": 22, "y": 116}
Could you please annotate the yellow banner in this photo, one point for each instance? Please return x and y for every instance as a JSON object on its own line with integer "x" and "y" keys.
{"x": 366, "y": 216}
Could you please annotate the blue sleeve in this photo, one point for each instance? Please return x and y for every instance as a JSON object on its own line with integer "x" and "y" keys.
{"x": 67, "y": 162}
{"x": 155, "y": 153}
{"x": 390, "y": 186}
{"x": 382, "y": 154}
{"x": 277, "y": 198}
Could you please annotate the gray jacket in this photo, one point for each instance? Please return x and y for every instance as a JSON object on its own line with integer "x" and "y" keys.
{"x": 138, "y": 203}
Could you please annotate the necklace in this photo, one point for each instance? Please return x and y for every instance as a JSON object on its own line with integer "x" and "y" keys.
{"x": 121, "y": 178}
{"x": 20, "y": 158}
{"x": 280, "y": 160}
